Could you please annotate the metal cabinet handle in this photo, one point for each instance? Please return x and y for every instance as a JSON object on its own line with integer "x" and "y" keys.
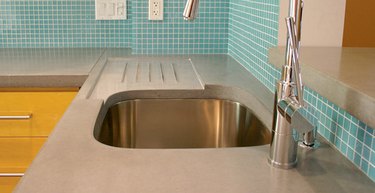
{"x": 18, "y": 117}
{"x": 11, "y": 174}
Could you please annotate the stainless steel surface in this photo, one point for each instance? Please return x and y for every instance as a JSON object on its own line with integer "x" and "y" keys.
{"x": 309, "y": 139}
{"x": 191, "y": 10}
{"x": 21, "y": 117}
{"x": 11, "y": 174}
{"x": 181, "y": 123}
{"x": 288, "y": 106}
{"x": 292, "y": 111}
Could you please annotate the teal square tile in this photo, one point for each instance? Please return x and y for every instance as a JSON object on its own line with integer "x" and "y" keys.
{"x": 358, "y": 147}
{"x": 368, "y": 139}
{"x": 357, "y": 159}
{"x": 364, "y": 166}
{"x": 366, "y": 153}
{"x": 353, "y": 129}
{"x": 371, "y": 173}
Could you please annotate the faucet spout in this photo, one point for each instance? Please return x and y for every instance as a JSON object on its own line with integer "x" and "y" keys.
{"x": 191, "y": 10}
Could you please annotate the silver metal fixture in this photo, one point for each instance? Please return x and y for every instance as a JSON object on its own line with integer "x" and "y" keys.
{"x": 181, "y": 123}
{"x": 18, "y": 117}
{"x": 289, "y": 104}
{"x": 11, "y": 174}
{"x": 191, "y": 10}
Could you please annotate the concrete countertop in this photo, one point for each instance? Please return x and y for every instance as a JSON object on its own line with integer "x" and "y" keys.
{"x": 55, "y": 67}
{"x": 73, "y": 161}
{"x": 342, "y": 75}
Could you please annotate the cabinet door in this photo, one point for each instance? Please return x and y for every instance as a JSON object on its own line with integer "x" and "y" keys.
{"x": 16, "y": 154}
{"x": 44, "y": 107}
{"x": 7, "y": 184}
{"x": 27, "y": 116}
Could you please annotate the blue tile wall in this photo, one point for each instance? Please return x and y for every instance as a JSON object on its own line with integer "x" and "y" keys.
{"x": 61, "y": 23}
{"x": 206, "y": 35}
{"x": 253, "y": 26}
{"x": 71, "y": 23}
{"x": 253, "y": 29}
{"x": 245, "y": 29}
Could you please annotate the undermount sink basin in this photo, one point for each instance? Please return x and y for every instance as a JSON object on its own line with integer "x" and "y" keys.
{"x": 181, "y": 123}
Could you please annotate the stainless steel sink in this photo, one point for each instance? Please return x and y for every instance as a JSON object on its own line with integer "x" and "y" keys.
{"x": 181, "y": 123}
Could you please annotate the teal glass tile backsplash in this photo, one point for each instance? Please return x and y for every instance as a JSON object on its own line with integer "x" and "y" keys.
{"x": 253, "y": 29}
{"x": 60, "y": 23}
{"x": 71, "y": 23}
{"x": 245, "y": 29}
{"x": 207, "y": 34}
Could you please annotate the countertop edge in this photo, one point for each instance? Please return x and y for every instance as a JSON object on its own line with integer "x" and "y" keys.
{"x": 42, "y": 81}
{"x": 344, "y": 96}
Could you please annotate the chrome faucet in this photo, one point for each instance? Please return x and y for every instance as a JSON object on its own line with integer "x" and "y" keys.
{"x": 288, "y": 118}
{"x": 191, "y": 10}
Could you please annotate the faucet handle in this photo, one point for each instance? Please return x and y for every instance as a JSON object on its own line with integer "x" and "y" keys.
{"x": 300, "y": 123}
{"x": 294, "y": 112}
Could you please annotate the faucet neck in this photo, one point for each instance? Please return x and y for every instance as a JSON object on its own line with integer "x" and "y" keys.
{"x": 291, "y": 74}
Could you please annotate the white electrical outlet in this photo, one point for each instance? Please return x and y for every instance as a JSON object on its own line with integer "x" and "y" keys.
{"x": 110, "y": 9}
{"x": 155, "y": 10}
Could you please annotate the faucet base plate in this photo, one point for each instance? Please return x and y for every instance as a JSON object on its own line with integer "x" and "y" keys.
{"x": 314, "y": 145}
{"x": 282, "y": 165}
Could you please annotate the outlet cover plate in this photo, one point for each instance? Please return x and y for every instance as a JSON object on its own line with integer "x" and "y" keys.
{"x": 155, "y": 10}
{"x": 110, "y": 9}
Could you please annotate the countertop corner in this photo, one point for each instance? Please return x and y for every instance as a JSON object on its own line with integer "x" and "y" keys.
{"x": 342, "y": 75}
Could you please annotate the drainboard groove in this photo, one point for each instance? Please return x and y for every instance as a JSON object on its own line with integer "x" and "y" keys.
{"x": 174, "y": 71}
{"x": 138, "y": 71}
{"x": 124, "y": 73}
{"x": 161, "y": 72}
{"x": 140, "y": 74}
{"x": 149, "y": 72}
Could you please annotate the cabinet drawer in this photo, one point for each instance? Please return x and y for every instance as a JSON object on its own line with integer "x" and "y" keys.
{"x": 8, "y": 184}
{"x": 45, "y": 107}
{"x": 16, "y": 154}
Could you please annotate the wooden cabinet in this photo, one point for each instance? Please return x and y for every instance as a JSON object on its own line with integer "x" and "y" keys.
{"x": 359, "y": 27}
{"x": 27, "y": 116}
{"x": 7, "y": 184}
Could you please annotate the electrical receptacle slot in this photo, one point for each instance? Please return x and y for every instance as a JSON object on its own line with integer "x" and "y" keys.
{"x": 155, "y": 10}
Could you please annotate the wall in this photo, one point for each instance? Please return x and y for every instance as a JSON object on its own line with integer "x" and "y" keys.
{"x": 71, "y": 23}
{"x": 62, "y": 23}
{"x": 253, "y": 27}
{"x": 207, "y": 34}
{"x": 323, "y": 22}
{"x": 244, "y": 29}
{"x": 359, "y": 26}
